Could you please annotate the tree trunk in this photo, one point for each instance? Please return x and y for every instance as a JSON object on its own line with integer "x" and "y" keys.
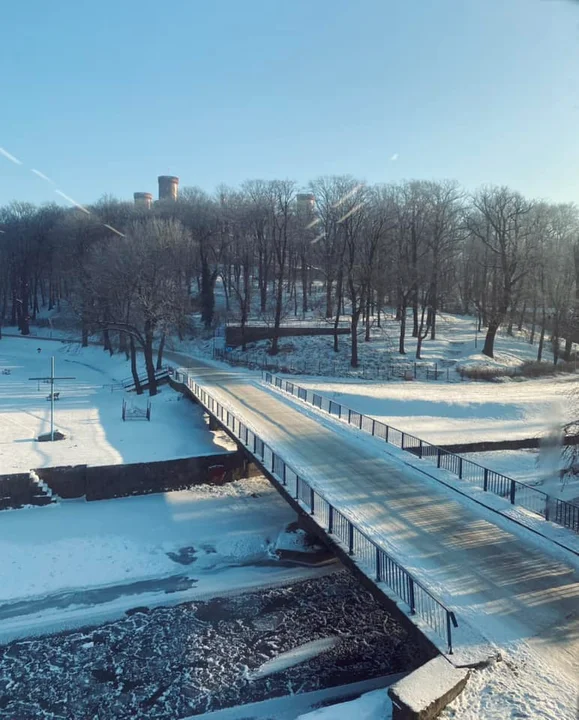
{"x": 422, "y": 330}
{"x": 542, "y": 337}
{"x": 107, "y": 345}
{"x": 339, "y": 290}
{"x": 433, "y": 309}
{"x": 160, "y": 352}
{"x": 489, "y": 346}
{"x": 415, "y": 315}
{"x": 522, "y": 316}
{"x": 555, "y": 340}
{"x": 304, "y": 274}
{"x": 207, "y": 294}
{"x": 329, "y": 311}
{"x": 123, "y": 347}
{"x": 134, "y": 371}
{"x": 149, "y": 364}
{"x": 277, "y": 318}
{"x": 533, "y": 323}
{"x": 401, "y": 349}
{"x": 354, "y": 337}
{"x": 367, "y": 333}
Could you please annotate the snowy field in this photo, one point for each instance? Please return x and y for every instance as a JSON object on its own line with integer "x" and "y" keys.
{"x": 450, "y": 413}
{"x": 88, "y": 412}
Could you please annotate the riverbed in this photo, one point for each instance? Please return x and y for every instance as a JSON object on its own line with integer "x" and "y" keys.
{"x": 173, "y": 662}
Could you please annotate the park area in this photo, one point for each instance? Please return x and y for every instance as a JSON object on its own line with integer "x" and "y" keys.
{"x": 88, "y": 411}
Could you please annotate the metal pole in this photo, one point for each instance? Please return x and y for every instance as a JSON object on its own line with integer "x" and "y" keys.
{"x": 52, "y": 399}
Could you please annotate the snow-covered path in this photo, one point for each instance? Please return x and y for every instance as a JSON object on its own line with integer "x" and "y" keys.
{"x": 508, "y": 585}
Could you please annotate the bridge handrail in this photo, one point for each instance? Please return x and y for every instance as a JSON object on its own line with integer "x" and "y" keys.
{"x": 551, "y": 508}
{"x": 385, "y": 569}
{"x": 160, "y": 374}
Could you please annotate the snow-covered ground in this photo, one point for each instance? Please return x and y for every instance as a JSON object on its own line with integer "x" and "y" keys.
{"x": 446, "y": 414}
{"x": 533, "y": 467}
{"x": 449, "y": 414}
{"x": 88, "y": 412}
{"x": 220, "y": 538}
{"x": 375, "y": 705}
{"x": 457, "y": 345}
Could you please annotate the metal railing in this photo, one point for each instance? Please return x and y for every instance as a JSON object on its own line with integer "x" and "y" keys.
{"x": 235, "y": 321}
{"x": 128, "y": 383}
{"x": 551, "y": 508}
{"x": 372, "y": 559}
{"x": 260, "y": 360}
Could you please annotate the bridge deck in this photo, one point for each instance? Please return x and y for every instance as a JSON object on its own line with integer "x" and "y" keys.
{"x": 508, "y": 587}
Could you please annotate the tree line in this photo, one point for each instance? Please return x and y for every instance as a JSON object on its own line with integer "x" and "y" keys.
{"x": 135, "y": 274}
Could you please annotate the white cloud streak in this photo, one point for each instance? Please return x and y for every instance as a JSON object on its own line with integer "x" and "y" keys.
{"x": 42, "y": 176}
{"x": 112, "y": 229}
{"x": 73, "y": 202}
{"x": 351, "y": 212}
{"x": 348, "y": 195}
{"x": 10, "y": 157}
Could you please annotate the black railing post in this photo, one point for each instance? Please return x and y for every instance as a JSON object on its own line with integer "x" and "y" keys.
{"x": 340, "y": 411}
{"x": 297, "y": 487}
{"x": 386, "y": 433}
{"x": 312, "y": 500}
{"x": 420, "y": 449}
{"x": 361, "y": 418}
{"x": 438, "y": 457}
{"x": 411, "y": 595}
{"x": 283, "y": 474}
{"x": 547, "y": 504}
{"x": 449, "y": 632}
{"x": 349, "y": 416}
{"x": 378, "y": 569}
{"x": 330, "y": 519}
{"x": 254, "y": 444}
{"x": 350, "y": 538}
{"x": 513, "y": 492}
{"x": 486, "y": 480}
{"x": 373, "y": 426}
{"x": 402, "y": 440}
{"x": 460, "y": 468}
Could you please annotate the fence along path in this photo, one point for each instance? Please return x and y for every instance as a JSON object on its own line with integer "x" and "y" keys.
{"x": 551, "y": 508}
{"x": 371, "y": 558}
{"x": 488, "y": 576}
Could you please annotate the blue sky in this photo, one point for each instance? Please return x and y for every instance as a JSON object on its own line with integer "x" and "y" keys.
{"x": 104, "y": 96}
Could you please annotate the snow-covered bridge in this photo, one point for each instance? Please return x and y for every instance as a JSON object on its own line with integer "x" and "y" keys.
{"x": 441, "y": 554}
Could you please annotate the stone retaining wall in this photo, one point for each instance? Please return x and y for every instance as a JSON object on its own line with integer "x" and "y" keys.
{"x": 113, "y": 481}
{"x": 233, "y": 335}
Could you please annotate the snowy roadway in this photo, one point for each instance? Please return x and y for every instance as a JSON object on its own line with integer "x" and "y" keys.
{"x": 512, "y": 587}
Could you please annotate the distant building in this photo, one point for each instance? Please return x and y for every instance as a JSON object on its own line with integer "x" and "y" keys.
{"x": 143, "y": 199}
{"x": 168, "y": 187}
{"x": 305, "y": 204}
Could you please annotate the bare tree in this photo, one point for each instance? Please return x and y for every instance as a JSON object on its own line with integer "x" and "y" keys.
{"x": 498, "y": 220}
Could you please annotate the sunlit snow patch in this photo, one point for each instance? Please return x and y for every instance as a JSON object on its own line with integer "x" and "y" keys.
{"x": 298, "y": 655}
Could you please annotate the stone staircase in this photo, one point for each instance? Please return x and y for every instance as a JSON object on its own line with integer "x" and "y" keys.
{"x": 43, "y": 495}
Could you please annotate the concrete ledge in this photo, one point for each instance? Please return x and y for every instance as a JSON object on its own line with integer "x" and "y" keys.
{"x": 427, "y": 691}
